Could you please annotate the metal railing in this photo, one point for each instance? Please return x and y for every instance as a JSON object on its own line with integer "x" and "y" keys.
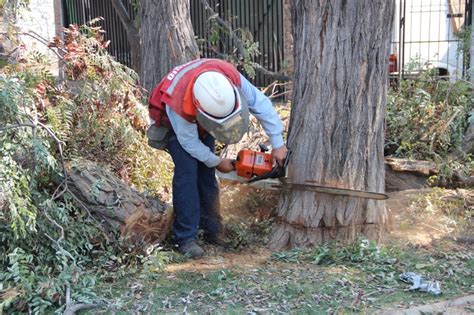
{"x": 426, "y": 34}
{"x": 424, "y": 29}
{"x": 262, "y": 18}
{"x": 82, "y": 11}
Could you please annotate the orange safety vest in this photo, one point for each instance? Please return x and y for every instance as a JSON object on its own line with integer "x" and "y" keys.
{"x": 176, "y": 89}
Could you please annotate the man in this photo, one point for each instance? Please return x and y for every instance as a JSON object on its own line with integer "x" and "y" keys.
{"x": 200, "y": 101}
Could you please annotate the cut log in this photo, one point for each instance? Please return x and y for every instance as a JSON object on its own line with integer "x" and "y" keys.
{"x": 140, "y": 219}
{"x": 466, "y": 181}
{"x": 402, "y": 174}
{"x": 397, "y": 181}
{"x": 415, "y": 166}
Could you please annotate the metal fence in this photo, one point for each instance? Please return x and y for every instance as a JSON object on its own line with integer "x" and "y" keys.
{"x": 83, "y": 11}
{"x": 424, "y": 30}
{"x": 263, "y": 19}
{"x": 427, "y": 34}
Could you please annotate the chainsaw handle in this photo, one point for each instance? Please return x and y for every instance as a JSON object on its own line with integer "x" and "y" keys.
{"x": 263, "y": 147}
{"x": 277, "y": 171}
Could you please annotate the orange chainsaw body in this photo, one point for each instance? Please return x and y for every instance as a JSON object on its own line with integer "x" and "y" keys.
{"x": 253, "y": 163}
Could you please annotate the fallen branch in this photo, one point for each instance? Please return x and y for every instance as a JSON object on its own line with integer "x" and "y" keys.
{"x": 71, "y": 307}
{"x": 404, "y": 165}
{"x": 273, "y": 75}
{"x": 468, "y": 181}
{"x": 57, "y": 225}
{"x": 274, "y": 89}
{"x": 74, "y": 308}
{"x": 16, "y": 126}
{"x": 56, "y": 195}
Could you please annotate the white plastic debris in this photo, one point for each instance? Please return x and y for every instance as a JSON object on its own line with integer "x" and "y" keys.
{"x": 418, "y": 283}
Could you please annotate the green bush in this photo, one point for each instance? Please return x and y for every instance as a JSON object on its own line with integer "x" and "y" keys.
{"x": 45, "y": 240}
{"x": 51, "y": 245}
{"x": 426, "y": 119}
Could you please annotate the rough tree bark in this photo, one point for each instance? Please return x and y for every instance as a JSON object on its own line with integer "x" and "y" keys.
{"x": 167, "y": 38}
{"x": 337, "y": 121}
{"x": 140, "y": 219}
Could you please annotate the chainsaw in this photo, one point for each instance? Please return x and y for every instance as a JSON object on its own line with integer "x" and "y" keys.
{"x": 258, "y": 170}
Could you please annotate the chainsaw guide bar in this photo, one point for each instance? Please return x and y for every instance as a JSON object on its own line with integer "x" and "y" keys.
{"x": 256, "y": 169}
{"x": 285, "y": 185}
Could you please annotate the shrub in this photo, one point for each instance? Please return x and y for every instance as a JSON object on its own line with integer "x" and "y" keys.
{"x": 49, "y": 244}
{"x": 426, "y": 119}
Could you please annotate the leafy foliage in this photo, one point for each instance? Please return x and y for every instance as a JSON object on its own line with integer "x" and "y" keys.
{"x": 361, "y": 251}
{"x": 426, "y": 119}
{"x": 49, "y": 244}
{"x": 241, "y": 52}
{"x": 104, "y": 119}
{"x": 40, "y": 255}
{"x": 464, "y": 35}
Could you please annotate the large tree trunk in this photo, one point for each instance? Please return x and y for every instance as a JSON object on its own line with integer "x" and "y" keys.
{"x": 336, "y": 131}
{"x": 167, "y": 38}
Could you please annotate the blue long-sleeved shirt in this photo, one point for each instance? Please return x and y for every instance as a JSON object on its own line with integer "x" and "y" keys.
{"x": 259, "y": 105}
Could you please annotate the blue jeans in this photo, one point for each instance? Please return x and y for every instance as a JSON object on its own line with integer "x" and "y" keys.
{"x": 195, "y": 194}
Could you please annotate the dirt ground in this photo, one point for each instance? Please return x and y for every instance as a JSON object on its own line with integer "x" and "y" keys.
{"x": 457, "y": 306}
{"x": 410, "y": 225}
{"x": 250, "y": 279}
{"x": 418, "y": 217}
{"x": 414, "y": 219}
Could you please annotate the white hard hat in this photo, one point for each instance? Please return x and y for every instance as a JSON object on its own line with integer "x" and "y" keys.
{"x": 214, "y": 94}
{"x": 221, "y": 109}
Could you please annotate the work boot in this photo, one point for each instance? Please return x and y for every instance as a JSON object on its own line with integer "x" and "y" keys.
{"x": 191, "y": 249}
{"x": 215, "y": 240}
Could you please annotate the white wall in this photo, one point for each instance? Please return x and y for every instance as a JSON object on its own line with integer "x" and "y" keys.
{"x": 38, "y": 17}
{"x": 429, "y": 33}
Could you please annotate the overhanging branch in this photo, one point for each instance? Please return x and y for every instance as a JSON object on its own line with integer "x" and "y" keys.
{"x": 240, "y": 46}
{"x": 226, "y": 25}
{"x": 274, "y": 75}
{"x": 132, "y": 34}
{"x": 130, "y": 28}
